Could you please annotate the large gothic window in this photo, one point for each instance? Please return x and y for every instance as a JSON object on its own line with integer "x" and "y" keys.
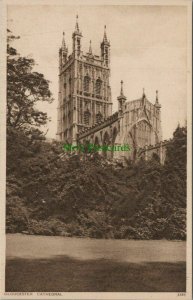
{"x": 86, "y": 83}
{"x": 98, "y": 87}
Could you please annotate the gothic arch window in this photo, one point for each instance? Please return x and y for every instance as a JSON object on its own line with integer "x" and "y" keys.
{"x": 96, "y": 141}
{"x": 86, "y": 83}
{"x": 99, "y": 117}
{"x": 114, "y": 135}
{"x": 98, "y": 87}
{"x": 87, "y": 117}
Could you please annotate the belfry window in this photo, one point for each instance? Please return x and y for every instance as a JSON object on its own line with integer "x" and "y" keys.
{"x": 78, "y": 45}
{"x": 98, "y": 87}
{"x": 86, "y": 83}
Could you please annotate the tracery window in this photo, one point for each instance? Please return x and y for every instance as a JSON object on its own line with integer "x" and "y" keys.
{"x": 86, "y": 83}
{"x": 87, "y": 117}
{"x": 98, "y": 87}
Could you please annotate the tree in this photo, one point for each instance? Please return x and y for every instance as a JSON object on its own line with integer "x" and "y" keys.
{"x": 177, "y": 150}
{"x": 25, "y": 88}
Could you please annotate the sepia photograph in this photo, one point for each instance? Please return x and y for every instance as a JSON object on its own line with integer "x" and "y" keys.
{"x": 96, "y": 141}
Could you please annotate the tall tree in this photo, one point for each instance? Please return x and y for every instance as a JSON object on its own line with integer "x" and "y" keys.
{"x": 25, "y": 88}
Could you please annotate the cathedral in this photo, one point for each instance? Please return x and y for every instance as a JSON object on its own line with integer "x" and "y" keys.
{"x": 85, "y": 105}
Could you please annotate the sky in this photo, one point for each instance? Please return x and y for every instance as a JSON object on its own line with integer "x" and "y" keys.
{"x": 148, "y": 50}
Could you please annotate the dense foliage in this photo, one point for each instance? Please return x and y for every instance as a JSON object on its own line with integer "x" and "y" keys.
{"x": 25, "y": 88}
{"x": 55, "y": 194}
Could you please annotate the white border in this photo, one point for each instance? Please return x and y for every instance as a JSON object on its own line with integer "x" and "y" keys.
{"x": 128, "y": 295}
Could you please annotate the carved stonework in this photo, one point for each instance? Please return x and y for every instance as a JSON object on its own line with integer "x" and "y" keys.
{"x": 85, "y": 106}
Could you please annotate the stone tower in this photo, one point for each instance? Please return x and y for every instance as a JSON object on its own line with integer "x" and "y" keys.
{"x": 84, "y": 89}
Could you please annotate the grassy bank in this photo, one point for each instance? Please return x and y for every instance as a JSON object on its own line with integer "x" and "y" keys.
{"x": 64, "y": 274}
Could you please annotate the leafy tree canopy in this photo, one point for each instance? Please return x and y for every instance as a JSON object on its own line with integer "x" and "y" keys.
{"x": 25, "y": 88}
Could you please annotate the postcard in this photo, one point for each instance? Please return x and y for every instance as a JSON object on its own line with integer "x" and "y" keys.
{"x": 95, "y": 147}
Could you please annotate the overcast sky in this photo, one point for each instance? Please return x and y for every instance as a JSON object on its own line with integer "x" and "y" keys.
{"x": 148, "y": 50}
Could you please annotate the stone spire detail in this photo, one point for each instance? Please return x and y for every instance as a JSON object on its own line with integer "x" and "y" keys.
{"x": 121, "y": 93}
{"x": 105, "y": 49}
{"x": 63, "y": 52}
{"x": 90, "y": 48}
{"x": 76, "y": 37}
{"x": 121, "y": 99}
{"x": 157, "y": 101}
{"x": 77, "y": 26}
{"x": 157, "y": 104}
{"x": 143, "y": 95}
{"x": 64, "y": 48}
{"x": 105, "y": 36}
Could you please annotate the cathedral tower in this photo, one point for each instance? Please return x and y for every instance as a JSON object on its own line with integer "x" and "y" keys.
{"x": 84, "y": 89}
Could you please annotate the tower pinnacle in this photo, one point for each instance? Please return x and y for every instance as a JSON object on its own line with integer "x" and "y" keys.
{"x": 76, "y": 37}
{"x": 143, "y": 95}
{"x": 77, "y": 26}
{"x": 105, "y": 49}
{"x": 105, "y": 35}
{"x": 157, "y": 96}
{"x": 121, "y": 93}
{"x": 121, "y": 99}
{"x": 63, "y": 43}
{"x": 90, "y": 48}
{"x": 157, "y": 104}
